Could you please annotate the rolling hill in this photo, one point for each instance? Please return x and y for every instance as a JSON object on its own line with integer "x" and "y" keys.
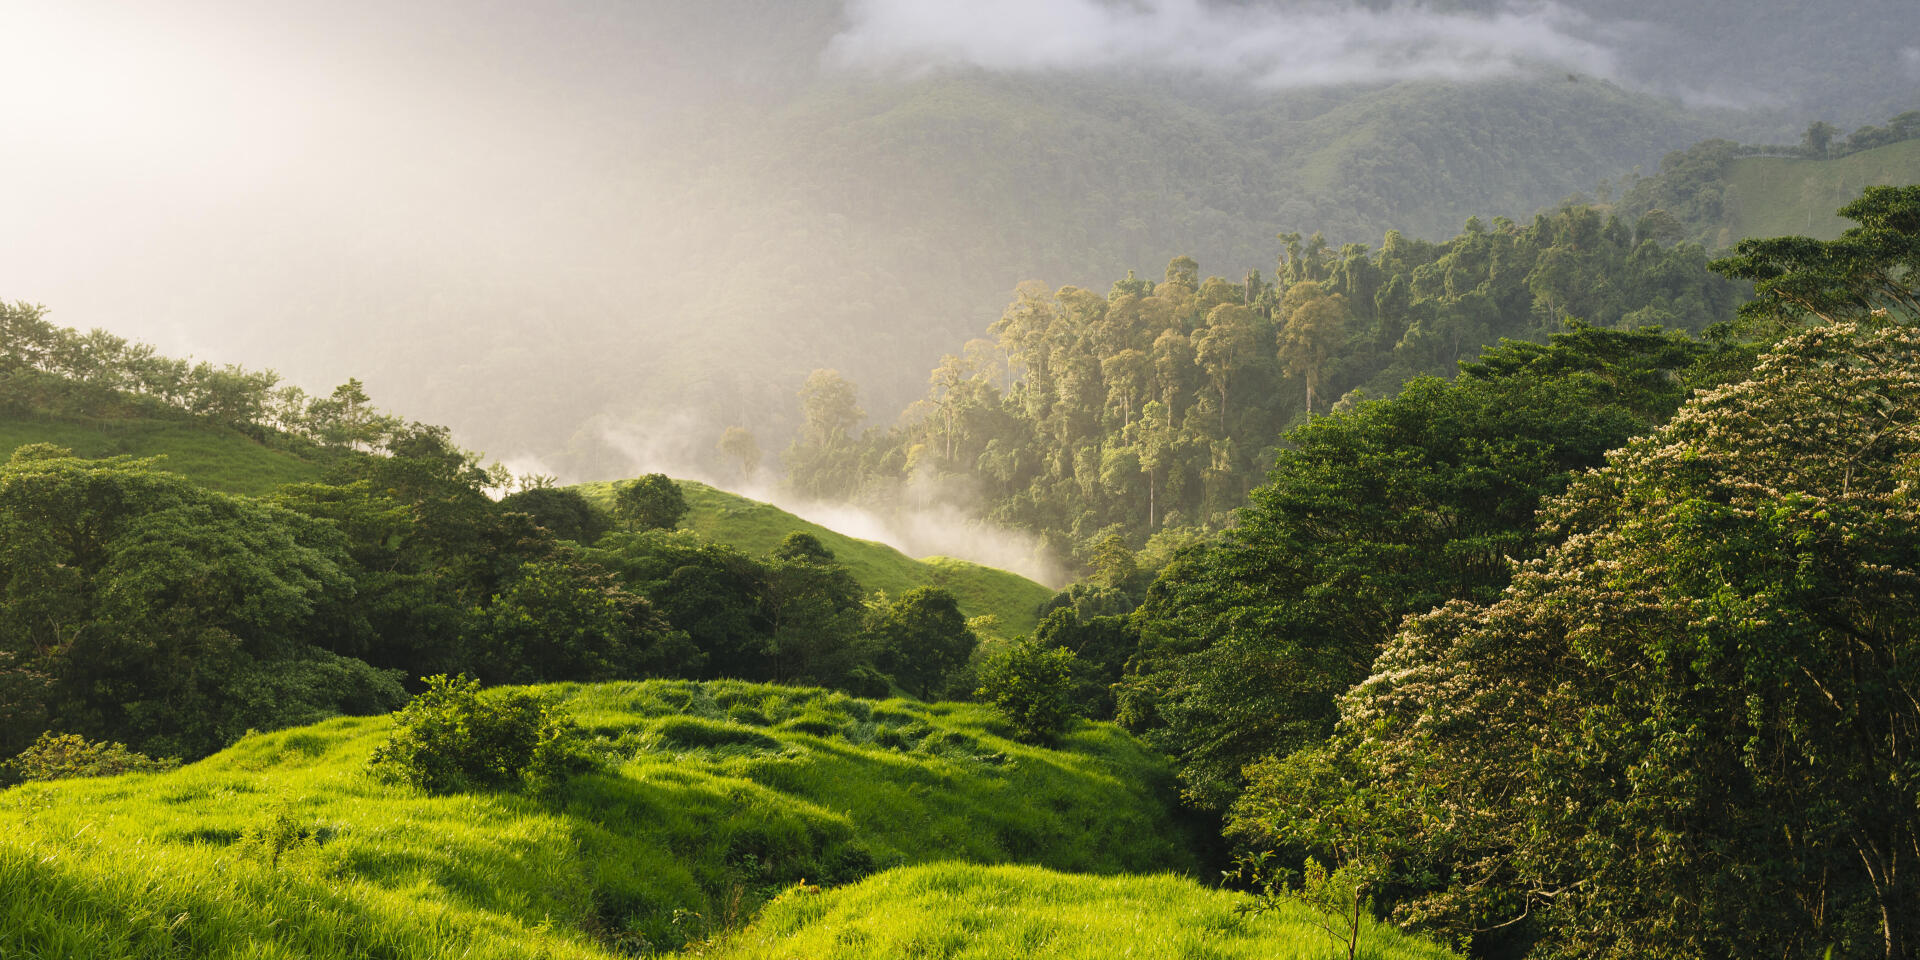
{"x": 714, "y": 798}
{"x": 756, "y": 528}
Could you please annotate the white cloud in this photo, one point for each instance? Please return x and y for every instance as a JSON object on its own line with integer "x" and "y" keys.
{"x": 1313, "y": 44}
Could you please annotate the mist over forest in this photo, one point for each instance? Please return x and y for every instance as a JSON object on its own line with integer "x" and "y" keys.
{"x": 590, "y": 236}
{"x": 876, "y": 479}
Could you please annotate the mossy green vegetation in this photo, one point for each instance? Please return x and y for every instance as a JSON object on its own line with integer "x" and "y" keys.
{"x": 756, "y": 528}
{"x": 964, "y": 911}
{"x": 712, "y": 798}
{"x": 211, "y": 455}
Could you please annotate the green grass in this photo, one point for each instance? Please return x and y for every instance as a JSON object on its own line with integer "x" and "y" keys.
{"x": 963, "y": 911}
{"x": 716, "y": 797}
{"x": 757, "y": 527}
{"x": 216, "y": 457}
{"x": 1773, "y": 196}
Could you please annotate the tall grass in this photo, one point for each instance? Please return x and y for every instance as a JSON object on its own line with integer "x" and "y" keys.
{"x": 214, "y": 456}
{"x": 963, "y": 911}
{"x": 715, "y": 797}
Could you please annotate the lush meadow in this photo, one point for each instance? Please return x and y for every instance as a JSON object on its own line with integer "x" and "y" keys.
{"x": 711, "y": 799}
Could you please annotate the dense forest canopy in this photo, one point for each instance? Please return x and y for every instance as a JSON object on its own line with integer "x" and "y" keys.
{"x": 1151, "y": 409}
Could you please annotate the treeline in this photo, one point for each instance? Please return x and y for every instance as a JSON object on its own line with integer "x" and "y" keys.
{"x": 138, "y": 607}
{"x": 49, "y": 369}
{"x": 1603, "y": 648}
{"x": 1687, "y": 197}
{"x": 1152, "y": 409}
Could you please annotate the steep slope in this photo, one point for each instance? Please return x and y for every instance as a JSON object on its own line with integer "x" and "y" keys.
{"x": 756, "y": 527}
{"x": 716, "y": 796}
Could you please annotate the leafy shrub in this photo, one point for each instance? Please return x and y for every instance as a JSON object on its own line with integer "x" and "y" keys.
{"x": 449, "y": 739}
{"x": 68, "y": 755}
{"x": 1032, "y": 687}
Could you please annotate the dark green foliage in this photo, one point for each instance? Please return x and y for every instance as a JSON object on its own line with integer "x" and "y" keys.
{"x": 1389, "y": 509}
{"x": 1101, "y": 646}
{"x": 61, "y": 756}
{"x": 708, "y": 591}
{"x": 450, "y": 738}
{"x": 921, "y": 639}
{"x": 813, "y": 610}
{"x": 1686, "y": 728}
{"x": 1032, "y": 687}
{"x": 1099, "y": 421}
{"x": 156, "y": 608}
{"x": 1868, "y": 271}
{"x": 563, "y": 619}
{"x": 653, "y": 502}
{"x": 564, "y": 513}
{"x": 1704, "y": 687}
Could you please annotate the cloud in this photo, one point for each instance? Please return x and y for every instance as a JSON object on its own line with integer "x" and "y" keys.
{"x": 1312, "y": 44}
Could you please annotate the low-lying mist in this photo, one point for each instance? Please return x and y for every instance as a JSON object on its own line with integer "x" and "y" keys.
{"x": 925, "y": 517}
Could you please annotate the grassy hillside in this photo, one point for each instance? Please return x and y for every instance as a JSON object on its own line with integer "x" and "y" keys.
{"x": 217, "y": 457}
{"x": 716, "y": 796}
{"x": 1775, "y": 196}
{"x": 970, "y": 912}
{"x": 757, "y": 527}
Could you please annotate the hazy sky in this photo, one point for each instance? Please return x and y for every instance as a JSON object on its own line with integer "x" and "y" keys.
{"x": 471, "y": 183}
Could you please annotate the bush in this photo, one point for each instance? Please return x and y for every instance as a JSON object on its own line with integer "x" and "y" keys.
{"x": 69, "y": 755}
{"x": 449, "y": 739}
{"x": 1032, "y": 687}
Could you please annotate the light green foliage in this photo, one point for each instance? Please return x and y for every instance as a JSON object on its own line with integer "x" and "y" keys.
{"x": 1032, "y": 686}
{"x": 450, "y": 738}
{"x": 653, "y": 502}
{"x": 60, "y": 756}
{"x": 713, "y": 797}
{"x": 988, "y": 913}
{"x": 756, "y": 528}
{"x": 213, "y": 456}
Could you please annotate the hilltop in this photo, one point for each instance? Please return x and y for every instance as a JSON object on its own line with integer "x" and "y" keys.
{"x": 756, "y": 527}
{"x": 215, "y": 456}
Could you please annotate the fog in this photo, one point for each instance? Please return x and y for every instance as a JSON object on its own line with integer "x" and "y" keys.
{"x": 928, "y": 517}
{"x": 543, "y": 224}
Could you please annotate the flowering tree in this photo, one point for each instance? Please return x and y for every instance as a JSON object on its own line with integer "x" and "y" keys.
{"x": 1689, "y": 729}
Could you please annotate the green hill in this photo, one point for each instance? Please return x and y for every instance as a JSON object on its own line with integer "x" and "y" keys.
{"x": 215, "y": 456}
{"x": 971, "y": 912}
{"x": 715, "y": 797}
{"x": 1777, "y": 196}
{"x": 757, "y": 527}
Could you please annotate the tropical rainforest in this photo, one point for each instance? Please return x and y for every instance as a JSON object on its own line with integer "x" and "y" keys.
{"x": 1597, "y": 647}
{"x": 1493, "y": 533}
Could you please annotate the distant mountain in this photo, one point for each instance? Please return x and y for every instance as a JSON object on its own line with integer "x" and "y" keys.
{"x": 596, "y": 240}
